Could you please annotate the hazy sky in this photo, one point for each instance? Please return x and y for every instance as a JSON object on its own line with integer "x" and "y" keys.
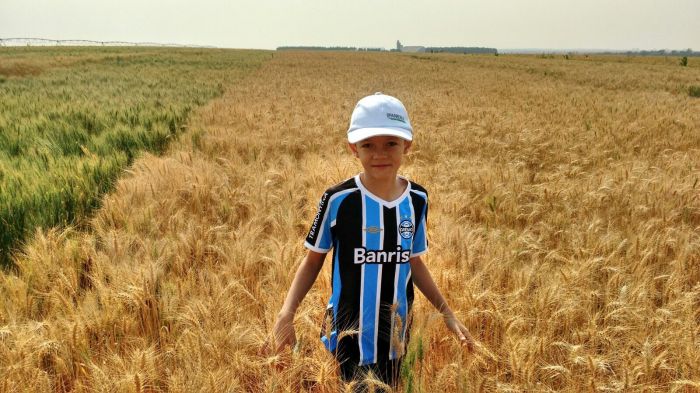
{"x": 581, "y": 24}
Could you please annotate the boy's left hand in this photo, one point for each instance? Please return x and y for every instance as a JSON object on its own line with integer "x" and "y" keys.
{"x": 454, "y": 325}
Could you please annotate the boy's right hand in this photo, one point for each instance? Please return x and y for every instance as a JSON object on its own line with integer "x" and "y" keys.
{"x": 283, "y": 334}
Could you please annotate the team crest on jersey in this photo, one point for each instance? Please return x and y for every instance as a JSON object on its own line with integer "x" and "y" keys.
{"x": 406, "y": 229}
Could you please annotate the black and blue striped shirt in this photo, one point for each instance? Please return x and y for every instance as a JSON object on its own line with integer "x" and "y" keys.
{"x": 372, "y": 241}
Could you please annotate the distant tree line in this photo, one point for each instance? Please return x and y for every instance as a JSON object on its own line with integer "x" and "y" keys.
{"x": 460, "y": 49}
{"x": 329, "y": 48}
{"x": 436, "y": 49}
{"x": 662, "y": 52}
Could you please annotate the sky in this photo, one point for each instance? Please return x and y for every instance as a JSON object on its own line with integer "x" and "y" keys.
{"x": 267, "y": 24}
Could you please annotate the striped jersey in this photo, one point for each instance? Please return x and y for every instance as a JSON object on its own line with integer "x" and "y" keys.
{"x": 372, "y": 241}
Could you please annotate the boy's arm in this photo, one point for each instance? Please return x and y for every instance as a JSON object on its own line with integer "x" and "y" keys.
{"x": 424, "y": 282}
{"x": 304, "y": 279}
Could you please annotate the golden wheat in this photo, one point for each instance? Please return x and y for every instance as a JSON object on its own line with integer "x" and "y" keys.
{"x": 564, "y": 229}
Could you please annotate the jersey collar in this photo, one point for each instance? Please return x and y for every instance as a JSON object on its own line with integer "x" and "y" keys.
{"x": 388, "y": 204}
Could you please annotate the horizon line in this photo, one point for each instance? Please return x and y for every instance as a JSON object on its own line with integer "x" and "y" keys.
{"x": 26, "y": 41}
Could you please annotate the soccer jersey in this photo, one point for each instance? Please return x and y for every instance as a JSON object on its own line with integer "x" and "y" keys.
{"x": 372, "y": 241}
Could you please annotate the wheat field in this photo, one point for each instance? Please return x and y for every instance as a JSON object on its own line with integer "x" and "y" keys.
{"x": 564, "y": 231}
{"x": 72, "y": 118}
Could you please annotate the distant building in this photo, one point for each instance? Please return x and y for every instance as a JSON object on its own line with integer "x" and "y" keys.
{"x": 399, "y": 47}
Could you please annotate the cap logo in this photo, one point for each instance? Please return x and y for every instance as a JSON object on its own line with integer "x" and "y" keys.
{"x": 395, "y": 117}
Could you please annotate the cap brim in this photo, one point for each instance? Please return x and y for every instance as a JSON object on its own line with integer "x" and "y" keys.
{"x": 364, "y": 133}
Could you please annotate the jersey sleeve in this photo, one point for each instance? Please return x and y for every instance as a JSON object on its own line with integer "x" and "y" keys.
{"x": 420, "y": 239}
{"x": 319, "y": 236}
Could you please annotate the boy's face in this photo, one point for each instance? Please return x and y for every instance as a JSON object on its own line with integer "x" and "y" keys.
{"x": 381, "y": 155}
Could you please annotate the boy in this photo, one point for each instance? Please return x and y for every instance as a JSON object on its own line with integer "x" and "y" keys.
{"x": 376, "y": 224}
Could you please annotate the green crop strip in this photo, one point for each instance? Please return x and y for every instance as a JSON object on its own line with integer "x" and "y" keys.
{"x": 71, "y": 120}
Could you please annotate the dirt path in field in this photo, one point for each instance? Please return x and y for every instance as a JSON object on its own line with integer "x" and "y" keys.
{"x": 537, "y": 183}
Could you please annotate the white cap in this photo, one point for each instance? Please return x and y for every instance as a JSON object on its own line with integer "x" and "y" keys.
{"x": 379, "y": 114}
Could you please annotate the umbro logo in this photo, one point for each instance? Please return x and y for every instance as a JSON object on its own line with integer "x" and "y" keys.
{"x": 372, "y": 230}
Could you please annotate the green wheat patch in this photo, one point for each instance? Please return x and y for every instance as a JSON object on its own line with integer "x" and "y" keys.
{"x": 72, "y": 119}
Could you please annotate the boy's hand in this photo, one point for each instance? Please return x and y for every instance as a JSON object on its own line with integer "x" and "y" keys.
{"x": 454, "y": 325}
{"x": 283, "y": 334}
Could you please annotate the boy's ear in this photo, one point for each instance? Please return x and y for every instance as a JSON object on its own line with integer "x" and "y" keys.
{"x": 406, "y": 146}
{"x": 353, "y": 149}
